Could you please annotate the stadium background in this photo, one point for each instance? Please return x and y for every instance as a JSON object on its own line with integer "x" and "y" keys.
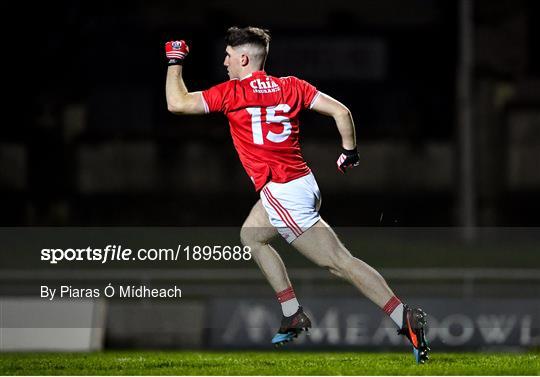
{"x": 90, "y": 143}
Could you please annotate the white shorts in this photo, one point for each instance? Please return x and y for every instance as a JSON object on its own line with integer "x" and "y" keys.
{"x": 292, "y": 207}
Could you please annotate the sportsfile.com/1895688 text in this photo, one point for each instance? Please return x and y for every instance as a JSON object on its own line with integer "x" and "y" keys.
{"x": 111, "y": 253}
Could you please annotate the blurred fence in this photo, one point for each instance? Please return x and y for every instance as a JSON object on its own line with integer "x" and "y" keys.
{"x": 479, "y": 293}
{"x": 468, "y": 308}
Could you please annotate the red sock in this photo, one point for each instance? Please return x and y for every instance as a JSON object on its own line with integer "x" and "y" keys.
{"x": 394, "y": 308}
{"x": 288, "y": 301}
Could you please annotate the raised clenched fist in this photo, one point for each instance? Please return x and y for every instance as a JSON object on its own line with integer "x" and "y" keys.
{"x": 176, "y": 52}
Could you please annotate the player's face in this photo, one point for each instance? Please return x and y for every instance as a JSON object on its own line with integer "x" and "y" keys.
{"x": 233, "y": 62}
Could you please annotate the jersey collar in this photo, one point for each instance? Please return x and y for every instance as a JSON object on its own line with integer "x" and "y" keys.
{"x": 256, "y": 73}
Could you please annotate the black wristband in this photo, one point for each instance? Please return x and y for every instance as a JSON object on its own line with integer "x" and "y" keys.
{"x": 350, "y": 152}
{"x": 175, "y": 62}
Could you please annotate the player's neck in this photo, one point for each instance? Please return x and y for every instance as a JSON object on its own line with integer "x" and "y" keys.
{"x": 249, "y": 72}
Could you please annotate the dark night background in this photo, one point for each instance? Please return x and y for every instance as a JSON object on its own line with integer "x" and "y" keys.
{"x": 91, "y": 142}
{"x": 86, "y": 140}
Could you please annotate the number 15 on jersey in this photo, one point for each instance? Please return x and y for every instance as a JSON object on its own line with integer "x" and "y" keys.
{"x": 271, "y": 117}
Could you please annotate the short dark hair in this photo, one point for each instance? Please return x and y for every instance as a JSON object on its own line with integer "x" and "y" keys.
{"x": 248, "y": 35}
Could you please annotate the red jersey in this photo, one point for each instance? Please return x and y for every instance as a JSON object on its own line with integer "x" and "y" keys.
{"x": 263, "y": 118}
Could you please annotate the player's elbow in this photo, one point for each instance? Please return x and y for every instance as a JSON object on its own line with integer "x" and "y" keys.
{"x": 342, "y": 112}
{"x": 175, "y": 108}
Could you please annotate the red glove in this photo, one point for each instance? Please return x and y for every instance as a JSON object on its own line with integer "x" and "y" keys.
{"x": 348, "y": 159}
{"x": 176, "y": 52}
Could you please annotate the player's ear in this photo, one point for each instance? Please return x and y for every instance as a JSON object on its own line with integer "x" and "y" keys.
{"x": 244, "y": 60}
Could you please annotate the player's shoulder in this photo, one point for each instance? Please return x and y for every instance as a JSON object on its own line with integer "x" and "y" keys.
{"x": 291, "y": 81}
{"x": 229, "y": 83}
{"x": 225, "y": 85}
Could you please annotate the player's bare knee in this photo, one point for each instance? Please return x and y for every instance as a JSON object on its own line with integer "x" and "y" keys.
{"x": 334, "y": 264}
{"x": 336, "y": 272}
{"x": 246, "y": 236}
{"x": 341, "y": 262}
{"x": 249, "y": 236}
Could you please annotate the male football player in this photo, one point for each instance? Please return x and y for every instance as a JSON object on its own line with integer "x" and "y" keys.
{"x": 263, "y": 115}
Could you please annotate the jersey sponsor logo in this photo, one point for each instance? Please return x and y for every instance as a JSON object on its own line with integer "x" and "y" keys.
{"x": 264, "y": 86}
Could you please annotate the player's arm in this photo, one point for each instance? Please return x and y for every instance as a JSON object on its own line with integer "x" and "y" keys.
{"x": 327, "y": 105}
{"x": 179, "y": 99}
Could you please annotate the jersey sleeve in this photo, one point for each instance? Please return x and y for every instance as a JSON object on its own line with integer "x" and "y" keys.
{"x": 215, "y": 99}
{"x": 309, "y": 93}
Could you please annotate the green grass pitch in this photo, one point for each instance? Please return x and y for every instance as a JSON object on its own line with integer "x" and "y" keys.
{"x": 265, "y": 363}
